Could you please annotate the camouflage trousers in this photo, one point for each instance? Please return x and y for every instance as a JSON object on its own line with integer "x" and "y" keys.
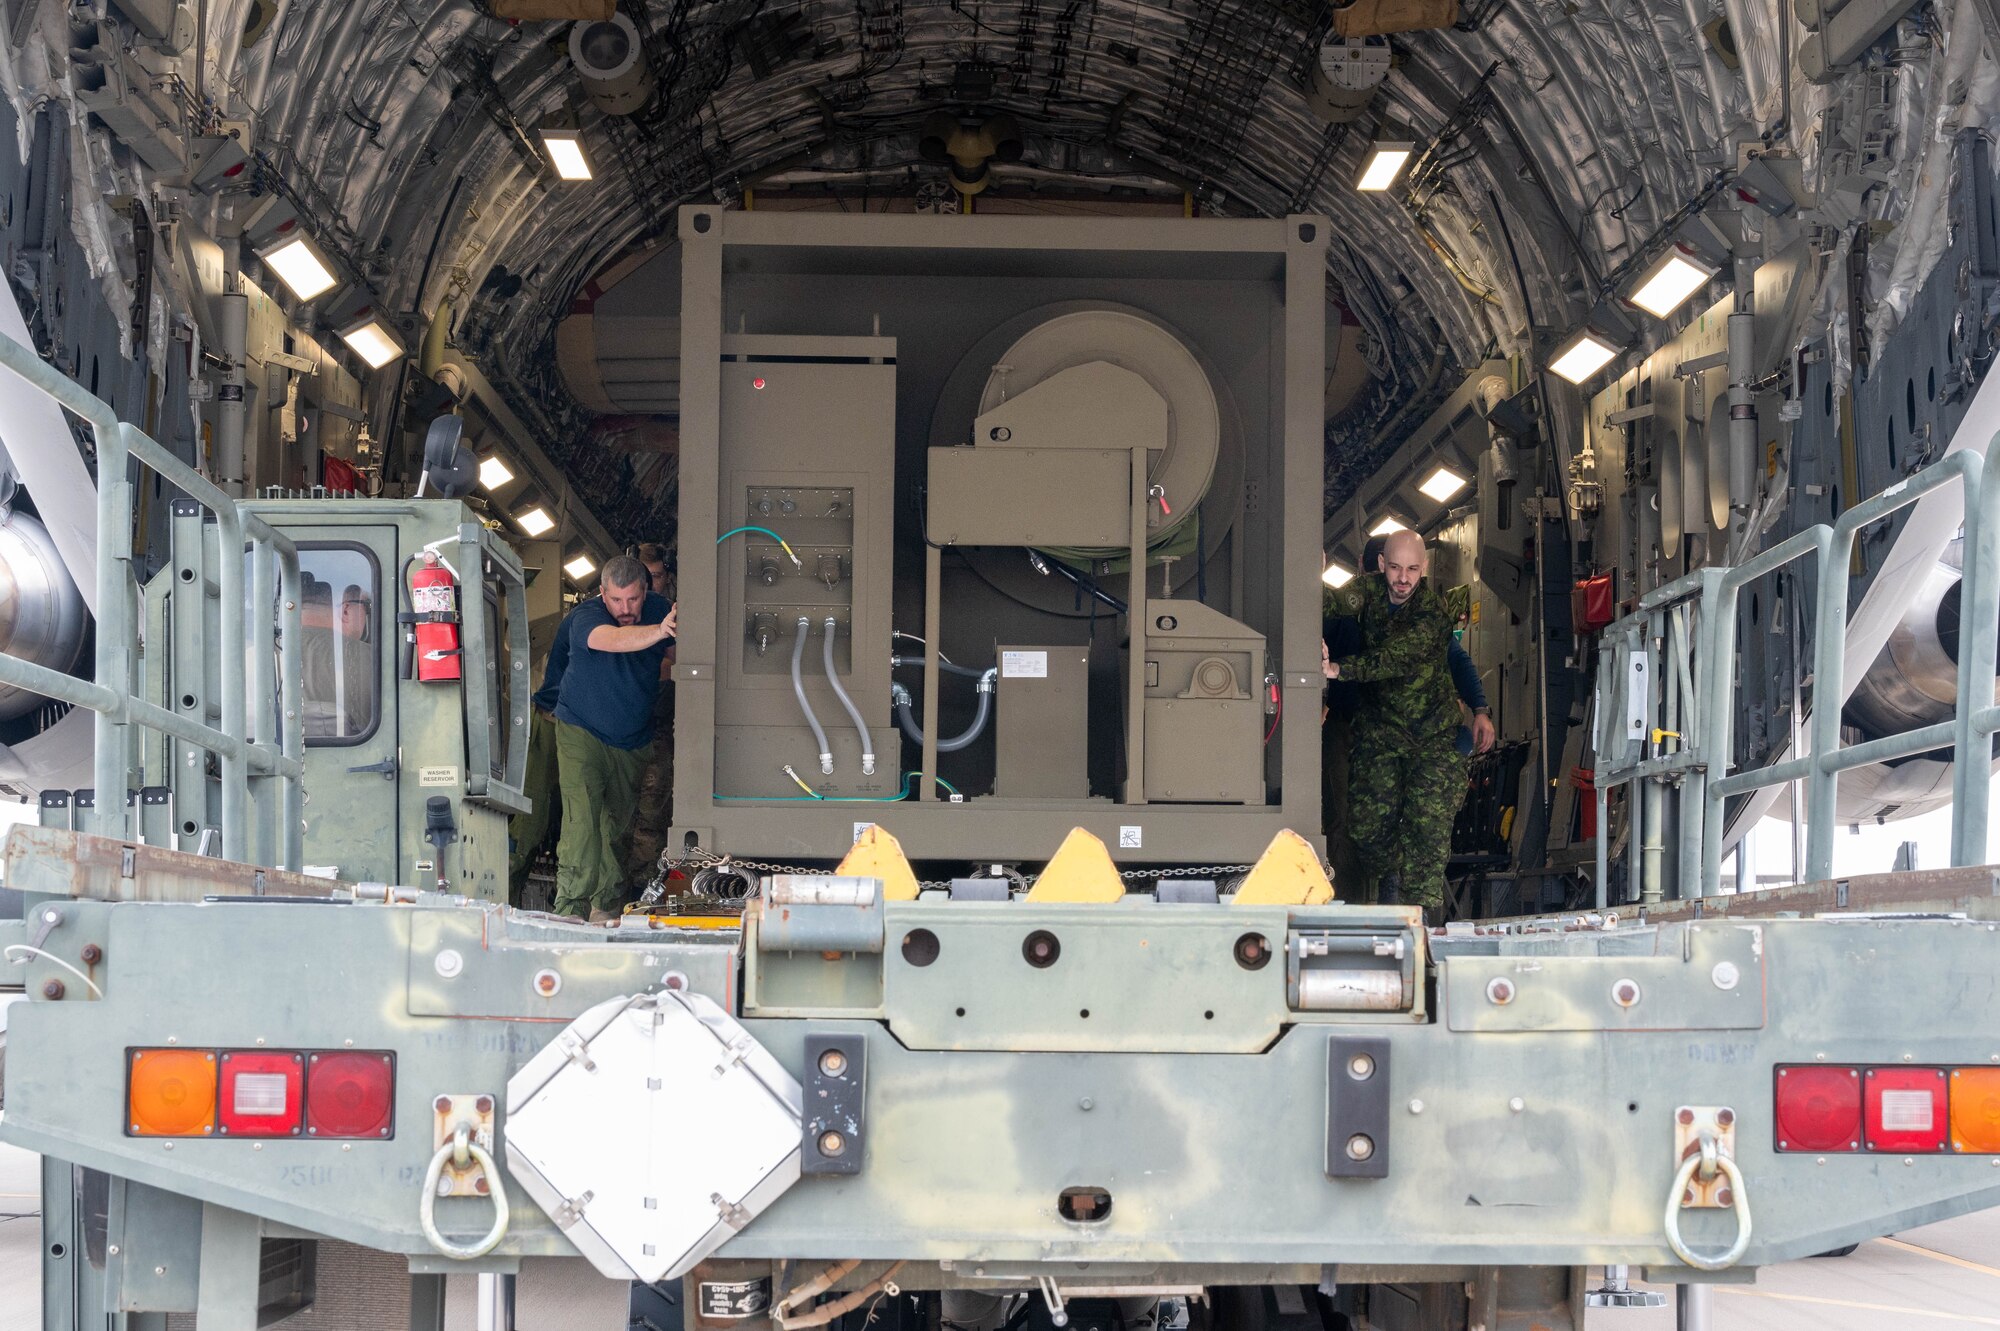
{"x": 640, "y": 846}
{"x": 1403, "y": 795}
{"x": 600, "y": 785}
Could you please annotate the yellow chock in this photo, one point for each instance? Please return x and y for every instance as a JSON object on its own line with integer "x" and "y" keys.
{"x": 1081, "y": 871}
{"x": 1286, "y": 874}
{"x": 878, "y": 855}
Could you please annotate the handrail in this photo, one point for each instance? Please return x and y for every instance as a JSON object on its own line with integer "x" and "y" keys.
{"x": 113, "y": 692}
{"x": 1701, "y": 763}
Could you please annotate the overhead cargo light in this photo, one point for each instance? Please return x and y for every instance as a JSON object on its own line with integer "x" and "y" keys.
{"x": 372, "y": 341}
{"x": 1336, "y": 576}
{"x": 494, "y": 472}
{"x": 1583, "y": 355}
{"x": 300, "y": 265}
{"x": 580, "y": 568}
{"x": 1386, "y": 159}
{"x": 566, "y": 153}
{"x": 1442, "y": 485}
{"x": 1666, "y": 286}
{"x": 536, "y": 521}
{"x": 1389, "y": 524}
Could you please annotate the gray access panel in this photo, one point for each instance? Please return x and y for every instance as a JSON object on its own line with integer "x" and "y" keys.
{"x": 1043, "y": 717}
{"x": 808, "y": 454}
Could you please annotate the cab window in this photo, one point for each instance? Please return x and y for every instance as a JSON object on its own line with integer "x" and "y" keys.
{"x": 340, "y": 643}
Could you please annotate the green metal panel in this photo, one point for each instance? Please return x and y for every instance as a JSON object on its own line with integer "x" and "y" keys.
{"x": 1528, "y": 1147}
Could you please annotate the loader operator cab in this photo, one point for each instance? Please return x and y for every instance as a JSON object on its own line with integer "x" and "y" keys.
{"x": 387, "y": 729}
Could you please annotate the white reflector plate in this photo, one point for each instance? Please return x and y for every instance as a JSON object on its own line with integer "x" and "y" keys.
{"x": 260, "y": 1094}
{"x": 1907, "y": 1111}
{"x": 652, "y": 1130}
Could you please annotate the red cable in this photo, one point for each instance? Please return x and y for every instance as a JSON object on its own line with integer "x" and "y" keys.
{"x": 1277, "y": 713}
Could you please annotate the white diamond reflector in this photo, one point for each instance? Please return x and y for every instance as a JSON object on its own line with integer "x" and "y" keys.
{"x": 1908, "y": 1111}
{"x": 260, "y": 1094}
{"x": 666, "y": 1069}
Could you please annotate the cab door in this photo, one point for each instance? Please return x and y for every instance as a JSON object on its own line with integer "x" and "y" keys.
{"x": 349, "y": 695}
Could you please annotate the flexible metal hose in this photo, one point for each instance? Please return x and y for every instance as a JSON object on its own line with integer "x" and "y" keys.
{"x": 958, "y": 741}
{"x": 853, "y": 712}
{"x": 799, "y": 692}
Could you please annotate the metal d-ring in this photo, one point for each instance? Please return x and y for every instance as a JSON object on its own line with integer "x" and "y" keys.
{"x": 1741, "y": 1205}
{"x": 462, "y": 1140}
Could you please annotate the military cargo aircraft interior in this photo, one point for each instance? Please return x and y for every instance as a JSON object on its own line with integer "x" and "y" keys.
{"x": 998, "y": 665}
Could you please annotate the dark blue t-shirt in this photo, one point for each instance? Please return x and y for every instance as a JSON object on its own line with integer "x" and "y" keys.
{"x": 610, "y": 694}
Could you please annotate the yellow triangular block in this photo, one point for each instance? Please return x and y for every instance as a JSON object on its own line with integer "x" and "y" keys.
{"x": 878, "y": 855}
{"x": 1287, "y": 874}
{"x": 1081, "y": 871}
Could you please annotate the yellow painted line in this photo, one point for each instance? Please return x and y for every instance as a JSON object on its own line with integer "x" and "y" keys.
{"x": 1935, "y": 1255}
{"x": 1866, "y": 1307}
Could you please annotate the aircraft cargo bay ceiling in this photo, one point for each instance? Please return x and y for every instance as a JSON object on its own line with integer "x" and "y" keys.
{"x": 1557, "y": 148}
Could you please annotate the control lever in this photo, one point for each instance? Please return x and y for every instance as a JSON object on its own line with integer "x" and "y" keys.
{"x": 387, "y": 767}
{"x": 439, "y": 830}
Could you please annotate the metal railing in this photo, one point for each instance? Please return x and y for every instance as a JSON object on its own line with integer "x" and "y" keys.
{"x": 248, "y": 770}
{"x": 1681, "y": 731}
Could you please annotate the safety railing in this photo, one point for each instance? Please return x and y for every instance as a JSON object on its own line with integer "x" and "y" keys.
{"x": 1694, "y": 708}
{"x": 249, "y": 769}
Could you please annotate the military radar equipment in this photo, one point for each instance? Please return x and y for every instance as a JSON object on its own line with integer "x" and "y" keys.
{"x": 892, "y": 429}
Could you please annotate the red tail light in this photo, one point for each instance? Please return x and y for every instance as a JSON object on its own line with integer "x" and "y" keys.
{"x": 1819, "y": 1109}
{"x": 1906, "y": 1109}
{"x": 262, "y": 1094}
{"x": 350, "y": 1094}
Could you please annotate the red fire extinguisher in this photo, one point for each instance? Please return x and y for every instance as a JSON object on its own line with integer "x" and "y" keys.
{"x": 434, "y": 610}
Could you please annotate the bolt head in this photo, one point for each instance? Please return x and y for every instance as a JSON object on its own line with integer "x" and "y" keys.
{"x": 481, "y": 1186}
{"x": 833, "y": 1063}
{"x": 1725, "y": 1116}
{"x": 1360, "y": 1146}
{"x": 52, "y": 990}
{"x": 1361, "y": 1067}
{"x": 1499, "y": 991}
{"x": 1725, "y": 1197}
{"x": 91, "y": 954}
{"x": 442, "y": 1104}
{"x": 1685, "y": 1117}
{"x": 831, "y": 1143}
{"x": 1416, "y": 1106}
{"x": 1517, "y": 1104}
{"x": 484, "y": 1104}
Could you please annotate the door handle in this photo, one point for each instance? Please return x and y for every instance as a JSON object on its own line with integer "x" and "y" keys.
{"x": 387, "y": 767}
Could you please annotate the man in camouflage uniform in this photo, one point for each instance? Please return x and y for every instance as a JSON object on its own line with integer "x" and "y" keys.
{"x": 1406, "y": 777}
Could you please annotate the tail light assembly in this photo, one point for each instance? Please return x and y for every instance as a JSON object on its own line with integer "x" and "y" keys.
{"x": 1897, "y": 1110}
{"x": 343, "y": 1094}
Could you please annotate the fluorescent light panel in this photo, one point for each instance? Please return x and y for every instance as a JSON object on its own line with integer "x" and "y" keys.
{"x": 1389, "y": 523}
{"x": 1336, "y": 576}
{"x": 580, "y": 568}
{"x": 494, "y": 472}
{"x": 300, "y": 268}
{"x": 372, "y": 342}
{"x": 1442, "y": 485}
{"x": 566, "y": 153}
{"x": 1385, "y": 162}
{"x": 1582, "y": 356}
{"x": 1668, "y": 283}
{"x": 536, "y": 521}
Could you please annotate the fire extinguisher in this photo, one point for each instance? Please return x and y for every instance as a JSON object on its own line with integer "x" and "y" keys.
{"x": 434, "y": 620}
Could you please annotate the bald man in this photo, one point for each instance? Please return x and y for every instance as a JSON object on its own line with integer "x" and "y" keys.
{"x": 1406, "y": 778}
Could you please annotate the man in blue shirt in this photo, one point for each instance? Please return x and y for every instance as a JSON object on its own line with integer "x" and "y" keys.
{"x": 605, "y": 668}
